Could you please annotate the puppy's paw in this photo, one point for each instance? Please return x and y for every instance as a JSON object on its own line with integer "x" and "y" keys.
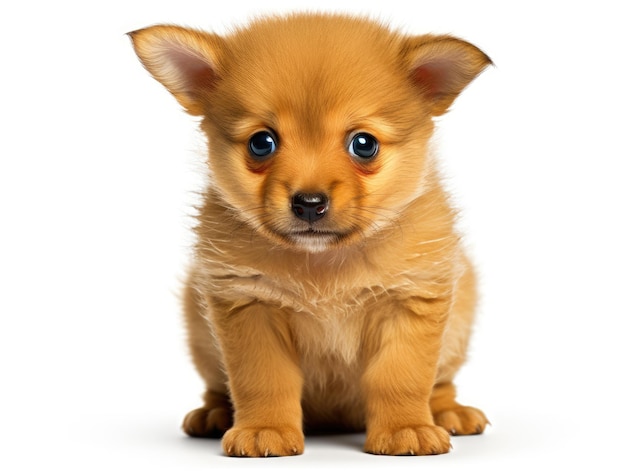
{"x": 462, "y": 420}
{"x": 208, "y": 422}
{"x": 259, "y": 441}
{"x": 417, "y": 440}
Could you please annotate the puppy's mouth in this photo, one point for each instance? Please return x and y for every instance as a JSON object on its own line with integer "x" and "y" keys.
{"x": 312, "y": 239}
{"x": 317, "y": 234}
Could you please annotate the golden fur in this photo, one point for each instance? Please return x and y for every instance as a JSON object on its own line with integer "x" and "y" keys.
{"x": 355, "y": 316}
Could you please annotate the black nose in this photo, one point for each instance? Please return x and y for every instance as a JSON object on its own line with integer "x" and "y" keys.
{"x": 309, "y": 207}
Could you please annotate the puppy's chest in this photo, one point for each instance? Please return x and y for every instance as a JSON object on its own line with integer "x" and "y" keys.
{"x": 326, "y": 320}
{"x": 333, "y": 330}
{"x": 328, "y": 323}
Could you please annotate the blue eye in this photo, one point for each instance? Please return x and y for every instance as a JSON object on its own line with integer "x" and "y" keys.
{"x": 262, "y": 145}
{"x": 363, "y": 146}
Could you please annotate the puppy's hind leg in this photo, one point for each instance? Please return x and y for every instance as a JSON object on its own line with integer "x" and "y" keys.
{"x": 447, "y": 413}
{"x": 212, "y": 420}
{"x": 215, "y": 417}
{"x": 452, "y": 416}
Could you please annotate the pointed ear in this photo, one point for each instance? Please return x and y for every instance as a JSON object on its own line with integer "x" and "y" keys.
{"x": 185, "y": 61}
{"x": 442, "y": 66}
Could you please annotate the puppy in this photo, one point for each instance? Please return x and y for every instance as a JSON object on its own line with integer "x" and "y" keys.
{"x": 329, "y": 290}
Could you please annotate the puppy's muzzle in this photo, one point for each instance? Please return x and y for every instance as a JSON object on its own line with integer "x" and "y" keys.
{"x": 309, "y": 207}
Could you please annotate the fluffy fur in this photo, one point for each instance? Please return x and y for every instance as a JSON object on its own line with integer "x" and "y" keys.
{"x": 357, "y": 314}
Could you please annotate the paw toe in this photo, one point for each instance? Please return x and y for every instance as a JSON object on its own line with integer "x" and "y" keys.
{"x": 211, "y": 423}
{"x": 418, "y": 440}
{"x": 462, "y": 420}
{"x": 263, "y": 442}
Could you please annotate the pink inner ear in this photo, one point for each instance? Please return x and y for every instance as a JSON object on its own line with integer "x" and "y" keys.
{"x": 195, "y": 71}
{"x": 436, "y": 78}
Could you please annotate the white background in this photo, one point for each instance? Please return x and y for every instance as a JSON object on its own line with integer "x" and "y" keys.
{"x": 98, "y": 174}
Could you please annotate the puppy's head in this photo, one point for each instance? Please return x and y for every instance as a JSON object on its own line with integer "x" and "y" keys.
{"x": 318, "y": 126}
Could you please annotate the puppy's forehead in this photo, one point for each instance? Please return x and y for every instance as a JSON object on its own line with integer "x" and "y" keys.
{"x": 314, "y": 36}
{"x": 311, "y": 52}
{"x": 313, "y": 68}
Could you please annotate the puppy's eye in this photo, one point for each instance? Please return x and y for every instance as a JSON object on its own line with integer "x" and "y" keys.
{"x": 262, "y": 145}
{"x": 363, "y": 146}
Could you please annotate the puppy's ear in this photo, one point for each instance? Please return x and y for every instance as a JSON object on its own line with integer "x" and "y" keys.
{"x": 441, "y": 67}
{"x": 185, "y": 61}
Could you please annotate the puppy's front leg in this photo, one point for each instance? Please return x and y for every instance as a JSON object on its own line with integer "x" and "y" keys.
{"x": 265, "y": 382}
{"x": 402, "y": 349}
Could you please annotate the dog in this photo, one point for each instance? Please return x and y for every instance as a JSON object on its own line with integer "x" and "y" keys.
{"x": 329, "y": 290}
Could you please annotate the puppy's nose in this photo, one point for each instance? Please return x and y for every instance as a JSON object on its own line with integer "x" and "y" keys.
{"x": 309, "y": 207}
